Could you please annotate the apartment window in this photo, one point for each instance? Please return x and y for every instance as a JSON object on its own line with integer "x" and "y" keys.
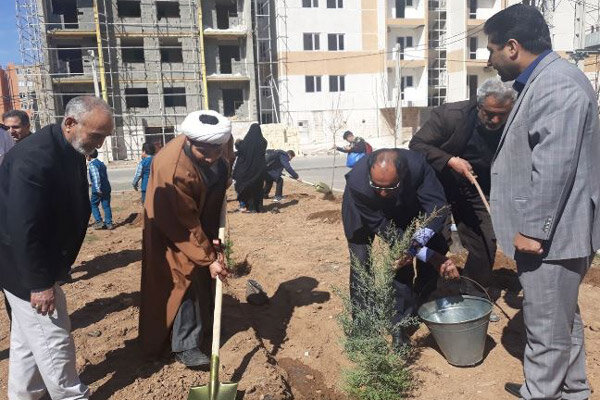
{"x": 335, "y": 41}
{"x": 266, "y": 118}
{"x": 472, "y": 9}
{"x": 174, "y": 97}
{"x": 70, "y": 60}
{"x": 404, "y": 42}
{"x": 312, "y": 83}
{"x": 129, "y": 9}
{"x": 136, "y": 97}
{"x": 167, "y": 9}
{"x": 337, "y": 83}
{"x": 407, "y": 81}
{"x": 227, "y": 56}
{"x": 310, "y": 3}
{"x": 472, "y": 83}
{"x": 224, "y": 15}
{"x": 170, "y": 50}
{"x": 233, "y": 99}
{"x": 132, "y": 50}
{"x": 335, "y": 3}
{"x": 311, "y": 41}
{"x": 401, "y": 7}
{"x": 473, "y": 48}
{"x": 68, "y": 10}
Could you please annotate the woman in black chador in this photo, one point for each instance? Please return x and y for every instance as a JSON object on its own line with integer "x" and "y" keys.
{"x": 249, "y": 170}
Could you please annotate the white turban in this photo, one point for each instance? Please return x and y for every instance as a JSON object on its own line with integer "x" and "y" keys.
{"x": 195, "y": 129}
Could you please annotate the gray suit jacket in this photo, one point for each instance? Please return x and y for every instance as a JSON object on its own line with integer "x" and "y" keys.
{"x": 546, "y": 172}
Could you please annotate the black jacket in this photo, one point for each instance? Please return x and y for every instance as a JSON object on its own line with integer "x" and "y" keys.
{"x": 366, "y": 214}
{"x": 446, "y": 133}
{"x": 44, "y": 212}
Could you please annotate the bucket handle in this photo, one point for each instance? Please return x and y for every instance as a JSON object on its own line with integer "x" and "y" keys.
{"x": 479, "y": 285}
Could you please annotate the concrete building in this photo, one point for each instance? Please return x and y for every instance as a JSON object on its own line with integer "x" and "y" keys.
{"x": 9, "y": 89}
{"x": 338, "y": 62}
{"x": 153, "y": 61}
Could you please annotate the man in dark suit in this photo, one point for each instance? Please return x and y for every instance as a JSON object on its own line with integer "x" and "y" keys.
{"x": 44, "y": 212}
{"x": 388, "y": 189}
{"x": 460, "y": 139}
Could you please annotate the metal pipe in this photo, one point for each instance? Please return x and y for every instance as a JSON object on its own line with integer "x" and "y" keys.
{"x": 202, "y": 57}
{"x": 100, "y": 52}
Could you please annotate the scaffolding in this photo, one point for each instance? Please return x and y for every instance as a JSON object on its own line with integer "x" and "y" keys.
{"x": 152, "y": 61}
{"x": 265, "y": 71}
{"x": 438, "y": 74}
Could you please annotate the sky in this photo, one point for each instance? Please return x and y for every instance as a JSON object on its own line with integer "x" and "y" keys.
{"x": 9, "y": 39}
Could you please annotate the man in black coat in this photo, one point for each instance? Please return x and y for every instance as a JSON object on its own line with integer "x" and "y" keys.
{"x": 389, "y": 189}
{"x": 460, "y": 139}
{"x": 44, "y": 212}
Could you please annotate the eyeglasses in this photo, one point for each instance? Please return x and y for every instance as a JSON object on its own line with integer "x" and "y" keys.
{"x": 385, "y": 189}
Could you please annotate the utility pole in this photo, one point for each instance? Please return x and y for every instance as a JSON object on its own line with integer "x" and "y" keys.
{"x": 398, "y": 124}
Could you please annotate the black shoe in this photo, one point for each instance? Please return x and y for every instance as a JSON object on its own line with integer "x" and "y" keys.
{"x": 513, "y": 388}
{"x": 192, "y": 358}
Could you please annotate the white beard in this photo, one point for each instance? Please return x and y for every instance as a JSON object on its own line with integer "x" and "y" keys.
{"x": 78, "y": 146}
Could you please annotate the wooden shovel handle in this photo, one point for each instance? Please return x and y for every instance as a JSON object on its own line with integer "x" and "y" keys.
{"x": 473, "y": 180}
{"x": 219, "y": 287}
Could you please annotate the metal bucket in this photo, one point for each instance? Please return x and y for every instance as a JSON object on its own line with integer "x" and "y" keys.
{"x": 459, "y": 325}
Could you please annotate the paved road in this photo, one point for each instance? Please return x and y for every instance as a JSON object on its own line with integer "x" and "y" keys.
{"x": 312, "y": 169}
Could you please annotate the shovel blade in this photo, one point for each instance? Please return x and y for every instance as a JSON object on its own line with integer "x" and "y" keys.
{"x": 225, "y": 391}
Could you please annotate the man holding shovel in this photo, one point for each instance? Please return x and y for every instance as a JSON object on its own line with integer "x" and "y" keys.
{"x": 388, "y": 189}
{"x": 184, "y": 197}
{"x": 459, "y": 141}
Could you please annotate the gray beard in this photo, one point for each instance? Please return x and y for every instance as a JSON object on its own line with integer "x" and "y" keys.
{"x": 78, "y": 146}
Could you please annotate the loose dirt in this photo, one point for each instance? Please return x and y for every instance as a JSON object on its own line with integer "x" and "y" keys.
{"x": 288, "y": 348}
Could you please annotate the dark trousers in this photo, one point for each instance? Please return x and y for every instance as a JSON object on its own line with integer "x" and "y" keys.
{"x": 193, "y": 321}
{"x": 476, "y": 233}
{"x": 269, "y": 185}
{"x": 409, "y": 296}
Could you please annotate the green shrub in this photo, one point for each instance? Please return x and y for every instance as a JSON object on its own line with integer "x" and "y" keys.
{"x": 380, "y": 371}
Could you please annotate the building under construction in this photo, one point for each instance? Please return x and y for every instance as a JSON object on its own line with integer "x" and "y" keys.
{"x": 152, "y": 61}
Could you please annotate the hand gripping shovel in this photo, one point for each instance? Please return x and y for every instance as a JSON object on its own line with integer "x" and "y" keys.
{"x": 216, "y": 390}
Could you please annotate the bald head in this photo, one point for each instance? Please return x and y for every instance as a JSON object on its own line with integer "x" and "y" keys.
{"x": 384, "y": 172}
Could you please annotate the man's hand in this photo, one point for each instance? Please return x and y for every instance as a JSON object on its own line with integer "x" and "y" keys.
{"x": 461, "y": 166}
{"x": 445, "y": 266}
{"x": 402, "y": 261}
{"x": 43, "y": 301}
{"x": 218, "y": 269}
{"x": 526, "y": 244}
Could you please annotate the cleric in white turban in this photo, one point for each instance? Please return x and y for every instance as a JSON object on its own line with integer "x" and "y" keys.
{"x": 181, "y": 214}
{"x": 206, "y": 127}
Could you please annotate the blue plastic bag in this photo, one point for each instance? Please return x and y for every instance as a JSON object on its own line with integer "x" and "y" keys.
{"x": 353, "y": 158}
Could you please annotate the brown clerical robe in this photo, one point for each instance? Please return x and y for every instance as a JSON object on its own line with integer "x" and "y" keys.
{"x": 180, "y": 220}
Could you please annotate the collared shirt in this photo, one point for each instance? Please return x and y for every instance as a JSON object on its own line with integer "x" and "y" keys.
{"x": 522, "y": 79}
{"x": 99, "y": 177}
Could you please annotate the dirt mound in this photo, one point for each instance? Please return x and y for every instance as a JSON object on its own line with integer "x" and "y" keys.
{"x": 326, "y": 216}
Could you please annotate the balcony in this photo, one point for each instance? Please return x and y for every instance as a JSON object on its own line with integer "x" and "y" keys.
{"x": 418, "y": 63}
{"x": 405, "y": 22}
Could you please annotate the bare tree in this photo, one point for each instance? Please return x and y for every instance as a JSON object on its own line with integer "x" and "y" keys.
{"x": 337, "y": 123}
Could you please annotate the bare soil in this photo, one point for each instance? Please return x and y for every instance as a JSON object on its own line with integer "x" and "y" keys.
{"x": 290, "y": 347}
